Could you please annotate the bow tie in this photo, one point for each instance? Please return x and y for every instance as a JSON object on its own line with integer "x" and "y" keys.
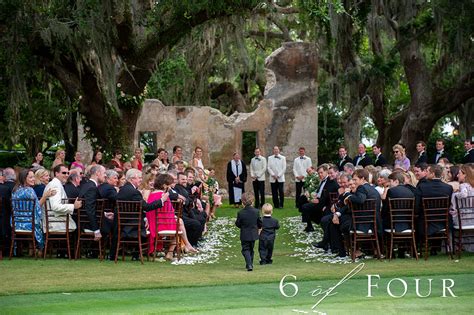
{"x": 257, "y": 158}
{"x": 440, "y": 152}
{"x": 277, "y": 157}
{"x": 302, "y": 158}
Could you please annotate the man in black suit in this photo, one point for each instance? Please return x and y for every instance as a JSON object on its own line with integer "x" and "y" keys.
{"x": 194, "y": 191}
{"x": 421, "y": 149}
{"x": 421, "y": 172}
{"x": 433, "y": 187}
{"x": 397, "y": 190}
{"x": 319, "y": 206}
{"x": 129, "y": 192}
{"x": 440, "y": 152}
{"x": 193, "y": 226}
{"x": 107, "y": 190}
{"x": 363, "y": 192}
{"x": 469, "y": 155}
{"x": 72, "y": 186}
{"x": 90, "y": 193}
{"x": 362, "y": 158}
{"x": 343, "y": 158}
{"x": 379, "y": 158}
{"x": 249, "y": 222}
{"x": 6, "y": 189}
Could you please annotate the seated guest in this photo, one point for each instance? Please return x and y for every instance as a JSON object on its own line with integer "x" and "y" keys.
{"x": 161, "y": 160}
{"x": 383, "y": 183}
{"x": 23, "y": 191}
{"x": 60, "y": 209}
{"x": 109, "y": 190}
{"x": 8, "y": 177}
{"x": 333, "y": 172}
{"x": 363, "y": 192}
{"x": 319, "y": 205}
{"x": 401, "y": 161}
{"x": 90, "y": 193}
{"x": 71, "y": 187}
{"x": 340, "y": 222}
{"x": 121, "y": 179}
{"x": 421, "y": 172}
{"x": 349, "y": 168}
{"x": 180, "y": 166}
{"x": 41, "y": 180}
{"x": 466, "y": 189}
{"x": 194, "y": 190}
{"x": 193, "y": 225}
{"x": 432, "y": 187}
{"x": 397, "y": 190}
{"x": 130, "y": 192}
{"x": 452, "y": 173}
{"x": 126, "y": 166}
{"x": 147, "y": 185}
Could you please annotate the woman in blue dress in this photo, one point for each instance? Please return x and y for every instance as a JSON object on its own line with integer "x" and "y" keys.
{"x": 24, "y": 190}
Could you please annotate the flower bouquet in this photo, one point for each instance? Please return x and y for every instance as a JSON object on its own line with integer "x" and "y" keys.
{"x": 311, "y": 184}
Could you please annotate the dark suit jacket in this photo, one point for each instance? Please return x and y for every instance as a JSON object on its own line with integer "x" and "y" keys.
{"x": 90, "y": 193}
{"x": 108, "y": 191}
{"x": 426, "y": 189}
{"x": 5, "y": 209}
{"x": 330, "y": 187}
{"x": 366, "y": 160}
{"x": 423, "y": 158}
{"x": 344, "y": 161}
{"x": 468, "y": 157}
{"x": 444, "y": 155}
{"x": 71, "y": 190}
{"x": 248, "y": 221}
{"x": 380, "y": 161}
{"x": 269, "y": 227}
{"x": 400, "y": 191}
{"x": 363, "y": 193}
{"x": 129, "y": 193}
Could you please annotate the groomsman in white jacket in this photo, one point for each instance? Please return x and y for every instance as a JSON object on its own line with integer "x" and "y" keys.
{"x": 276, "y": 169}
{"x": 258, "y": 168}
{"x": 300, "y": 165}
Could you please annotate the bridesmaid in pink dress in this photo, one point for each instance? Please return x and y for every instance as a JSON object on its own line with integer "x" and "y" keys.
{"x": 165, "y": 214}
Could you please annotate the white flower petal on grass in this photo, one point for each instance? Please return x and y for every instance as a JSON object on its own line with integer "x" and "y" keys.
{"x": 303, "y": 243}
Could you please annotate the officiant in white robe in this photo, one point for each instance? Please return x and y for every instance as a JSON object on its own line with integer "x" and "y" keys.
{"x": 236, "y": 178}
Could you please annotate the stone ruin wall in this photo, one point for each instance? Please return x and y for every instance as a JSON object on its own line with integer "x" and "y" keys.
{"x": 287, "y": 117}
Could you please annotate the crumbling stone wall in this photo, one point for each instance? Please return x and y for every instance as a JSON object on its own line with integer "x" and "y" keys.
{"x": 287, "y": 117}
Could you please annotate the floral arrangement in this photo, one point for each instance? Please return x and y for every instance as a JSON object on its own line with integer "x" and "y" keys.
{"x": 210, "y": 189}
{"x": 311, "y": 185}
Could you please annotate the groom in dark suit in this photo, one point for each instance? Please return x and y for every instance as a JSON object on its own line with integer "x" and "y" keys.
{"x": 249, "y": 222}
{"x": 397, "y": 190}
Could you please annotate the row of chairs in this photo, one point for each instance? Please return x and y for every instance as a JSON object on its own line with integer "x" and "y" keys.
{"x": 129, "y": 219}
{"x": 435, "y": 212}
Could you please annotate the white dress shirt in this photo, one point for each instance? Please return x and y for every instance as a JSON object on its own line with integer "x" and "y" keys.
{"x": 277, "y": 167}
{"x": 258, "y": 167}
{"x": 300, "y": 165}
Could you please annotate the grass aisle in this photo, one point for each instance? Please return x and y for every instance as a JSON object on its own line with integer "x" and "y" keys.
{"x": 216, "y": 281}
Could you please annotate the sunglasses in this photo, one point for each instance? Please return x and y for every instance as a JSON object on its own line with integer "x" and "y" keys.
{"x": 65, "y": 173}
{"x": 396, "y": 151}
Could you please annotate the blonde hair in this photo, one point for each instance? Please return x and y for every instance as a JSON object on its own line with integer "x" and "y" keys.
{"x": 267, "y": 209}
{"x": 469, "y": 172}
{"x": 399, "y": 148}
{"x": 147, "y": 178}
{"x": 38, "y": 174}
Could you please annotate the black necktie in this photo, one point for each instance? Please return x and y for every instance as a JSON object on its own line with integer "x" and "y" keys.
{"x": 277, "y": 157}
{"x": 301, "y": 157}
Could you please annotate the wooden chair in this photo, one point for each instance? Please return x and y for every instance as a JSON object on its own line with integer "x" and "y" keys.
{"x": 169, "y": 236}
{"x": 402, "y": 212}
{"x": 54, "y": 235}
{"x": 130, "y": 222}
{"x": 2, "y": 225}
{"x": 84, "y": 234}
{"x": 436, "y": 212}
{"x": 108, "y": 206}
{"x": 23, "y": 212}
{"x": 463, "y": 223}
{"x": 364, "y": 218}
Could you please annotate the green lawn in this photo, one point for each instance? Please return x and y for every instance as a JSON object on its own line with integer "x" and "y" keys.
{"x": 89, "y": 286}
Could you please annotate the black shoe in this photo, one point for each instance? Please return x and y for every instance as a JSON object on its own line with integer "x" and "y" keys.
{"x": 262, "y": 262}
{"x": 320, "y": 245}
{"x": 269, "y": 262}
{"x": 433, "y": 252}
{"x": 135, "y": 257}
{"x": 249, "y": 268}
{"x": 342, "y": 254}
{"x": 309, "y": 229}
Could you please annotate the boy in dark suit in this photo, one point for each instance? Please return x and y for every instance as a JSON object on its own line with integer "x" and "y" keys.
{"x": 249, "y": 222}
{"x": 267, "y": 235}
